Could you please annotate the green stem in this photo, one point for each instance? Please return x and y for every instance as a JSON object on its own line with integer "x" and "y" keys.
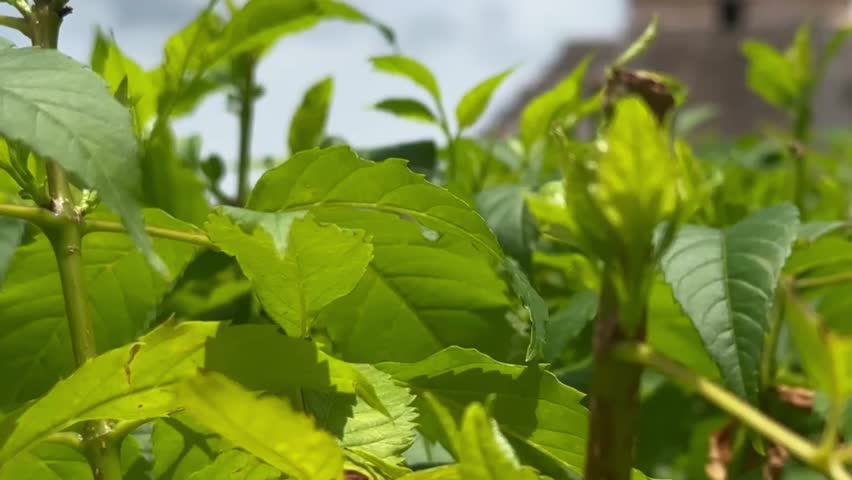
{"x": 726, "y": 401}
{"x": 613, "y": 398}
{"x": 66, "y": 239}
{"x": 69, "y": 439}
{"x": 46, "y": 220}
{"x": 767, "y": 366}
{"x": 246, "y": 113}
{"x": 801, "y": 134}
{"x": 824, "y": 280}
{"x": 16, "y": 23}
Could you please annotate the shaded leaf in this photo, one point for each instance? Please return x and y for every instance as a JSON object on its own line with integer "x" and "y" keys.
{"x": 504, "y": 208}
{"x": 421, "y": 155}
{"x": 11, "y": 231}
{"x": 180, "y": 448}
{"x": 725, "y": 280}
{"x": 64, "y": 112}
{"x": 236, "y": 465}
{"x": 536, "y": 307}
{"x": 407, "y": 108}
{"x": 569, "y": 322}
{"x": 264, "y": 426}
{"x": 474, "y": 102}
{"x": 484, "y": 454}
{"x": 47, "y": 462}
{"x": 539, "y": 113}
{"x": 35, "y": 350}
{"x": 307, "y": 126}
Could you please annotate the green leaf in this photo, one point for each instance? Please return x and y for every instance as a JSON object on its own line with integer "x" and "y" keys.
{"x": 180, "y": 448}
{"x": 64, "y": 112}
{"x": 770, "y": 74}
{"x": 812, "y": 231}
{"x": 47, "y": 462}
{"x": 35, "y": 350}
{"x": 639, "y": 45}
{"x": 307, "y": 127}
{"x": 568, "y": 323}
{"x": 321, "y": 263}
{"x": 473, "y": 103}
{"x": 117, "y": 68}
{"x": 504, "y": 208}
{"x": 407, "y": 108}
{"x": 539, "y": 113}
{"x": 830, "y": 52}
{"x": 260, "y": 23}
{"x": 529, "y": 403}
{"x": 725, "y": 280}
{"x": 6, "y": 43}
{"x": 427, "y": 244}
{"x": 11, "y": 232}
{"x": 127, "y": 383}
{"x": 363, "y": 429}
{"x": 422, "y": 155}
{"x": 536, "y": 307}
{"x": 445, "y": 472}
{"x": 264, "y": 426}
{"x": 333, "y": 9}
{"x": 237, "y": 465}
{"x": 825, "y": 253}
{"x": 411, "y": 69}
{"x": 484, "y": 454}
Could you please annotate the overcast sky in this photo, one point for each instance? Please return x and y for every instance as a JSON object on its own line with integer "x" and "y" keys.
{"x": 462, "y": 41}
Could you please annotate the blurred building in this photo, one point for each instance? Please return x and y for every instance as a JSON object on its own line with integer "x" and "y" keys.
{"x": 699, "y": 43}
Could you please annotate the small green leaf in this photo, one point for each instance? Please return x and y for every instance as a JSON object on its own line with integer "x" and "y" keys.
{"x": 474, "y": 102}
{"x": 409, "y": 68}
{"x": 47, "y": 461}
{"x": 334, "y": 9}
{"x": 536, "y": 307}
{"x": 639, "y": 45}
{"x": 307, "y": 127}
{"x": 407, "y": 108}
{"x": 321, "y": 263}
{"x": 538, "y": 115}
{"x": 263, "y": 425}
{"x": 566, "y": 324}
{"x": 505, "y": 210}
{"x": 830, "y": 52}
{"x": 237, "y": 465}
{"x": 529, "y": 403}
{"x": 484, "y": 453}
{"x": 770, "y": 74}
{"x": 64, "y": 112}
{"x": 725, "y": 280}
{"x": 445, "y": 472}
{"x": 128, "y": 383}
{"x": 422, "y": 155}
{"x": 11, "y": 231}
{"x": 260, "y": 23}
{"x": 361, "y": 428}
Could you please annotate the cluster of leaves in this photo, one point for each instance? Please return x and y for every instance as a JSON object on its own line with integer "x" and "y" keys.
{"x": 417, "y": 319}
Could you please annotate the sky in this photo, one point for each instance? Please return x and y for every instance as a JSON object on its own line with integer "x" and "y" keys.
{"x": 462, "y": 41}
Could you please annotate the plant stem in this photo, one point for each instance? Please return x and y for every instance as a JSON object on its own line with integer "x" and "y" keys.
{"x": 246, "y": 113}
{"x": 725, "y": 400}
{"x": 70, "y": 439}
{"x": 16, "y": 23}
{"x": 66, "y": 238}
{"x": 824, "y": 281}
{"x": 46, "y": 219}
{"x": 613, "y": 398}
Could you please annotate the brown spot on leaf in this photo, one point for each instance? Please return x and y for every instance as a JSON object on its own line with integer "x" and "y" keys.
{"x": 796, "y": 396}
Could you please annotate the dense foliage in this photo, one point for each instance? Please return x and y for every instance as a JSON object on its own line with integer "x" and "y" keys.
{"x": 594, "y": 298}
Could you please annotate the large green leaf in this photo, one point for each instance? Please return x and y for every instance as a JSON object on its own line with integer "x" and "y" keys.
{"x": 264, "y": 426}
{"x": 64, "y": 112}
{"x": 427, "y": 245}
{"x": 321, "y": 263}
{"x": 484, "y": 454}
{"x": 542, "y": 418}
{"x": 236, "y": 465}
{"x": 124, "y": 292}
{"x": 361, "y": 428}
{"x": 128, "y": 383}
{"x": 407, "y": 108}
{"x": 307, "y": 127}
{"x": 473, "y": 103}
{"x": 411, "y": 69}
{"x": 725, "y": 280}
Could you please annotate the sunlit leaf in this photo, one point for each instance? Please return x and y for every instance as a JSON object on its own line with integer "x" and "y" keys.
{"x": 411, "y": 69}
{"x": 407, "y": 108}
{"x": 474, "y": 102}
{"x": 307, "y": 127}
